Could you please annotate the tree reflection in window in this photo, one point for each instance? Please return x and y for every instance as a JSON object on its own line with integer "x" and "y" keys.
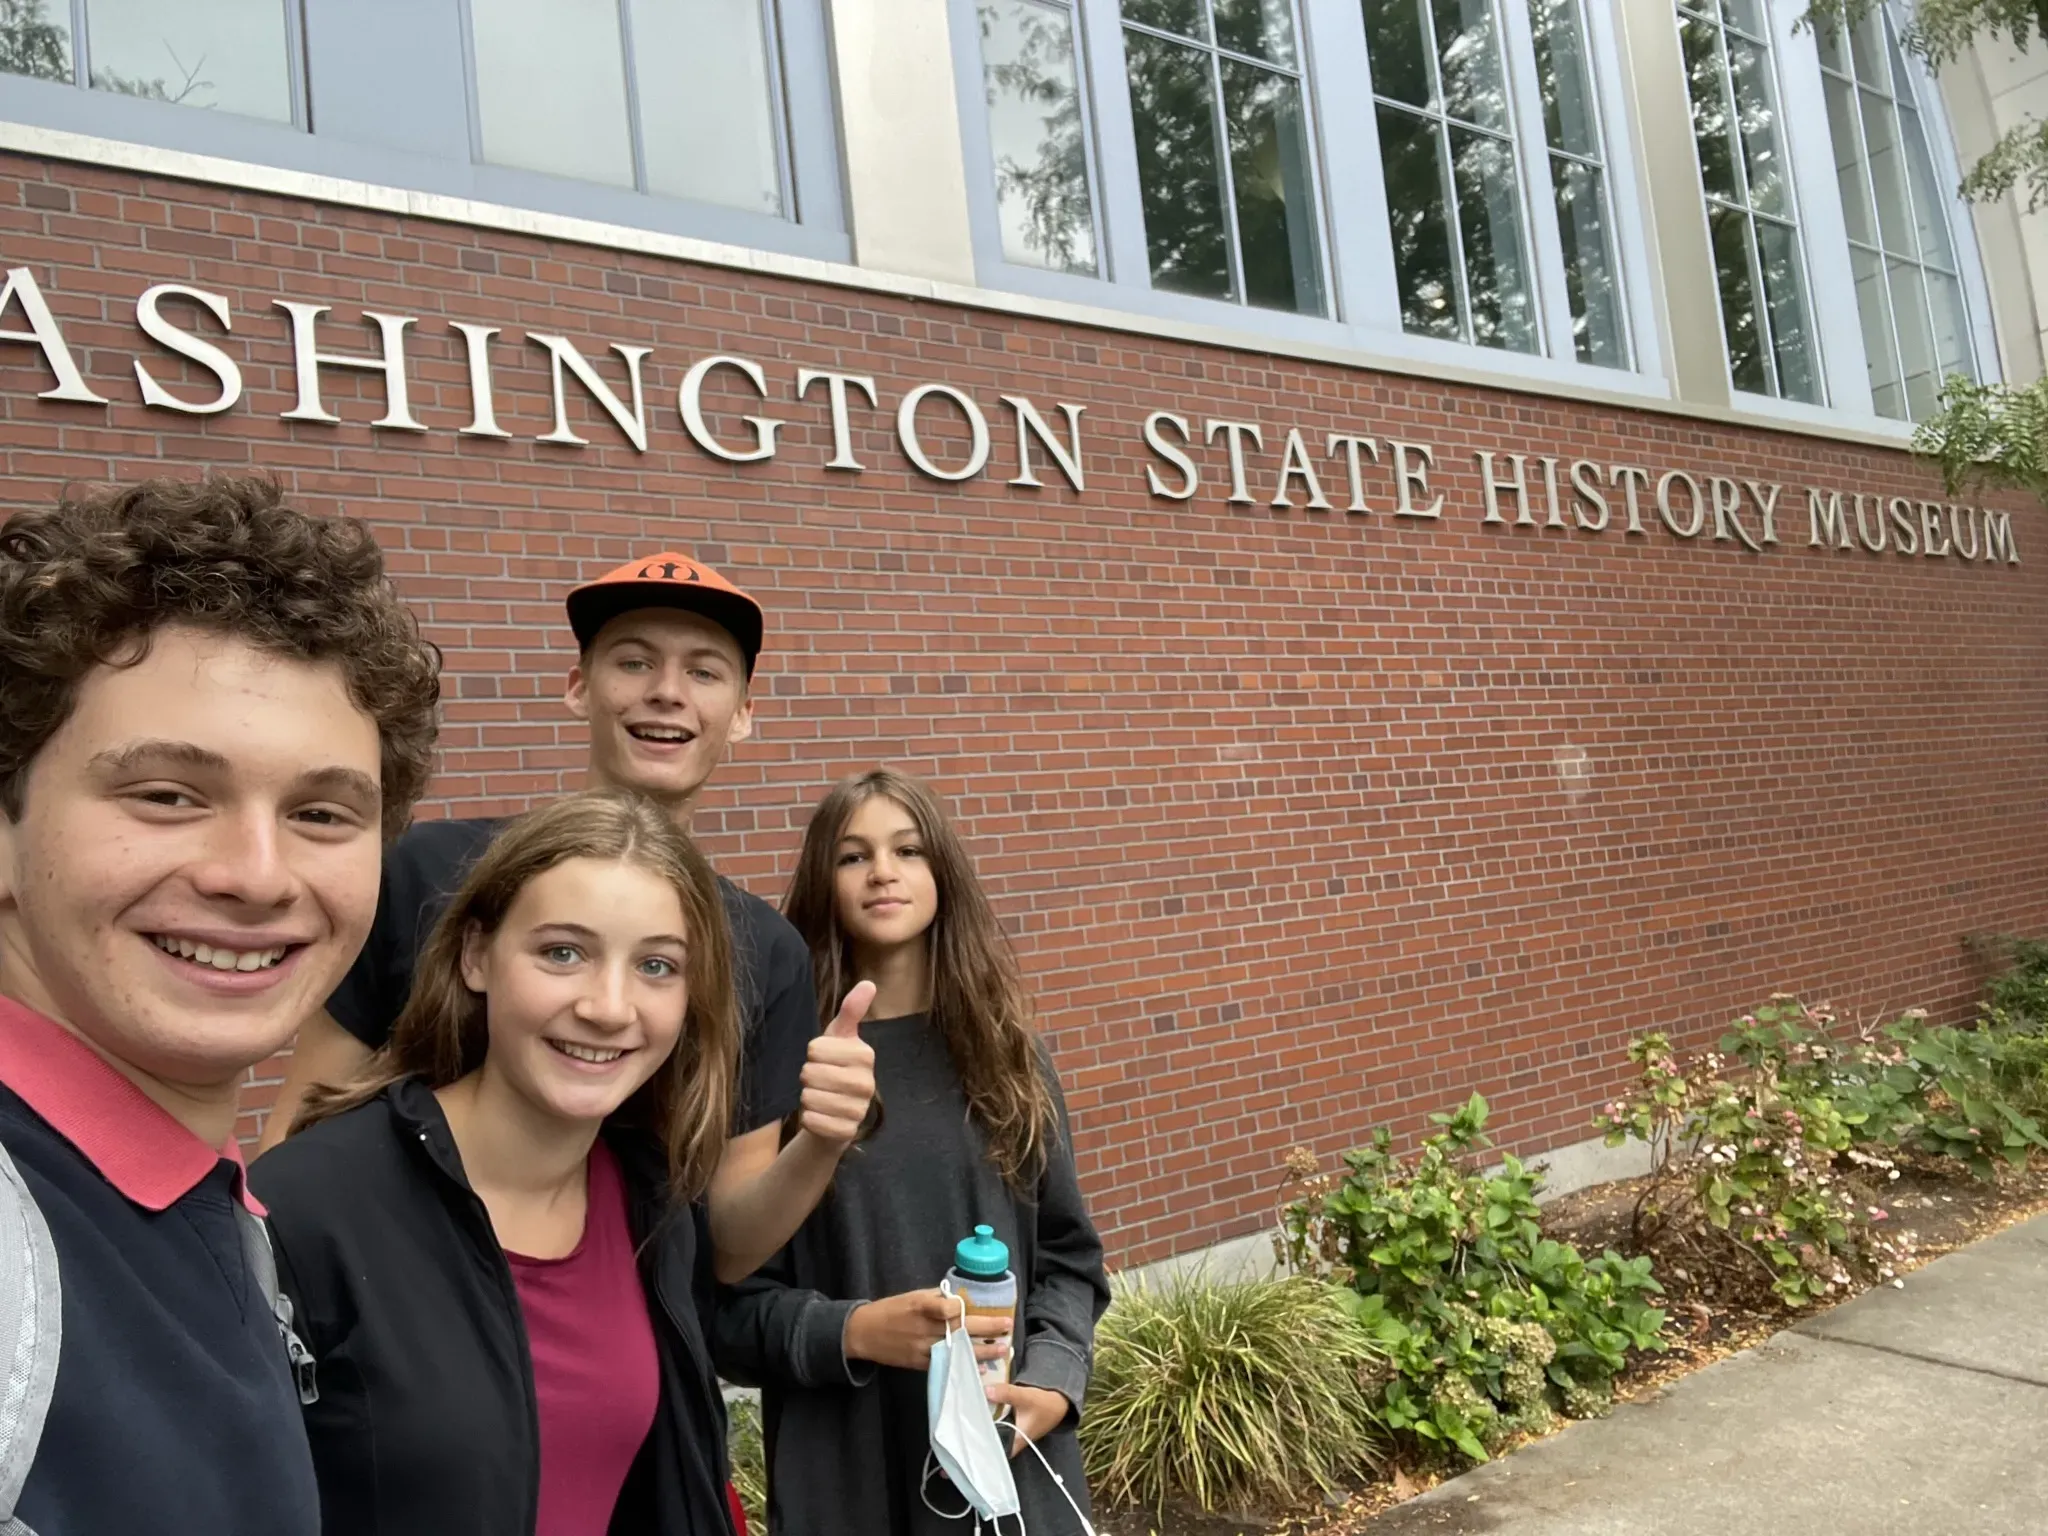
{"x": 1036, "y": 133}
{"x": 1750, "y": 211}
{"x": 1454, "y": 188}
{"x": 1578, "y": 181}
{"x": 1902, "y": 253}
{"x": 231, "y": 55}
{"x": 1224, "y": 168}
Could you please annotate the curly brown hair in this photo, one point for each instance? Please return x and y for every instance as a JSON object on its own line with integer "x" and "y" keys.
{"x": 86, "y": 583}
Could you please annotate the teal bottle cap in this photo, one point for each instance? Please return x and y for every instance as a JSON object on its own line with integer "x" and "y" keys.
{"x": 982, "y": 1255}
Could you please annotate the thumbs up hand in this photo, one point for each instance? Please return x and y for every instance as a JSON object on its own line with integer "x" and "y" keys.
{"x": 839, "y": 1073}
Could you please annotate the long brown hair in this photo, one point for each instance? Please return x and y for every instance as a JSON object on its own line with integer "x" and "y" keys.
{"x": 979, "y": 1003}
{"x": 443, "y": 1032}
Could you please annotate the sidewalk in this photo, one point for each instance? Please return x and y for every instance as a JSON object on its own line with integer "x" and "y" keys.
{"x": 1900, "y": 1413}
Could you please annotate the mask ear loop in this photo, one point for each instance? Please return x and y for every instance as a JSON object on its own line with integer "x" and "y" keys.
{"x": 1065, "y": 1492}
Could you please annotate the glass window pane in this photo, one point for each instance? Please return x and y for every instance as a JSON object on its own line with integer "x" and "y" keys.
{"x": 1597, "y": 334}
{"x": 707, "y": 120}
{"x": 1756, "y": 106}
{"x": 1711, "y": 128}
{"x": 1916, "y": 343}
{"x": 1173, "y": 118}
{"x": 1748, "y": 15}
{"x": 1932, "y": 200}
{"x": 1866, "y": 43}
{"x": 1496, "y": 262}
{"x": 1952, "y": 346}
{"x": 1411, "y": 149}
{"x": 1468, "y": 61}
{"x": 1746, "y": 366}
{"x": 1842, "y": 130}
{"x": 35, "y": 39}
{"x": 1034, "y": 127}
{"x": 1396, "y": 52}
{"x": 1888, "y": 176}
{"x": 1189, "y": 18}
{"x": 1269, "y": 170}
{"x": 551, "y": 87}
{"x": 1566, "y": 84}
{"x": 1777, "y": 249}
{"x": 1880, "y": 352}
{"x": 1828, "y": 40}
{"x": 1264, "y": 29}
{"x": 228, "y": 54}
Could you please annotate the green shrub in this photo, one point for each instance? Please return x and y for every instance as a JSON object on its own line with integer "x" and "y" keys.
{"x": 1744, "y": 1176}
{"x": 2019, "y": 994}
{"x": 748, "y": 1456}
{"x": 1226, "y": 1392}
{"x": 1491, "y": 1327}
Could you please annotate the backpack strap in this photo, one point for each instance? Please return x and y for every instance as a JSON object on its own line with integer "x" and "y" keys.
{"x": 31, "y": 1334}
{"x": 263, "y": 1266}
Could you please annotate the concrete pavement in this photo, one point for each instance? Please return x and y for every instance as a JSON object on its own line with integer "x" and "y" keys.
{"x": 1902, "y": 1413}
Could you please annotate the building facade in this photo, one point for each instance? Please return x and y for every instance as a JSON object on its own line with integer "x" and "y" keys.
{"x": 1390, "y": 519}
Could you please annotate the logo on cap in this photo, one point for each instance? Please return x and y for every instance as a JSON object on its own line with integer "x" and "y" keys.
{"x": 667, "y": 571}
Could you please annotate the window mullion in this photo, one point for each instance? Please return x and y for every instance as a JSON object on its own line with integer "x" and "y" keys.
{"x": 1364, "y": 287}
{"x": 1866, "y": 173}
{"x": 1525, "y": 105}
{"x": 81, "y": 50}
{"x": 626, "y": 63}
{"x": 1233, "y": 251}
{"x": 1125, "y": 256}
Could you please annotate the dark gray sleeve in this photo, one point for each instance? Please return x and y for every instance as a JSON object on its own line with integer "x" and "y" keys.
{"x": 768, "y": 1332}
{"x": 1069, "y": 1289}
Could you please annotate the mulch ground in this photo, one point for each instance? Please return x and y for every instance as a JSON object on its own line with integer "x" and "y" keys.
{"x": 1942, "y": 1210}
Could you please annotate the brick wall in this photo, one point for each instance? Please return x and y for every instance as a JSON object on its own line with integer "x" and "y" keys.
{"x": 1305, "y": 821}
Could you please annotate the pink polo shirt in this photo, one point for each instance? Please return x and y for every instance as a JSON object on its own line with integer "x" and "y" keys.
{"x": 595, "y": 1373}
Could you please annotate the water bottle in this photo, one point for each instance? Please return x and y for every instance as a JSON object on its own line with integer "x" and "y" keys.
{"x": 981, "y": 1277}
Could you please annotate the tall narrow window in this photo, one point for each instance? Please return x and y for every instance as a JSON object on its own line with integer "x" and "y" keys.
{"x": 674, "y": 97}
{"x": 231, "y": 55}
{"x": 1916, "y": 331}
{"x": 1221, "y": 124}
{"x": 1037, "y": 134}
{"x": 1454, "y": 188}
{"x": 1578, "y": 181}
{"x": 1751, "y": 215}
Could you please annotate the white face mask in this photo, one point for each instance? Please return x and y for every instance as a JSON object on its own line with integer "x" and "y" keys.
{"x": 963, "y": 1430}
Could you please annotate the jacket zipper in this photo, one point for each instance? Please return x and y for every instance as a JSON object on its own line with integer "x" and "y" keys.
{"x": 487, "y": 1238}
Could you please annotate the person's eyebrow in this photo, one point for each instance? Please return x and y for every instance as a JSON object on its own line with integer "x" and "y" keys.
{"x": 138, "y": 756}
{"x": 578, "y": 931}
{"x": 171, "y": 754}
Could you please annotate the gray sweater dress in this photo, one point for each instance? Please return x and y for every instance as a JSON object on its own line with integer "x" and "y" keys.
{"x": 846, "y": 1440}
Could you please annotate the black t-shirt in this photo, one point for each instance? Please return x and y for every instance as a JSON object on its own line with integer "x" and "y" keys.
{"x": 771, "y": 965}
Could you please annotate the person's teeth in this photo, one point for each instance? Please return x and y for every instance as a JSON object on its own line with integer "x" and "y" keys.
{"x": 221, "y": 959}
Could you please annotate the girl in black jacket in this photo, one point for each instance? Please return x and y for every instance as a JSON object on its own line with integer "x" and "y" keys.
{"x": 489, "y": 1240}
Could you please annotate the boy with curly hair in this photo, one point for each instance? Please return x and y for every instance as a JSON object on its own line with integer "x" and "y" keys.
{"x": 214, "y": 711}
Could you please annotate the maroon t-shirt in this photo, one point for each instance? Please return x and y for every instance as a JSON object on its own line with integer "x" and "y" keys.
{"x": 595, "y": 1374}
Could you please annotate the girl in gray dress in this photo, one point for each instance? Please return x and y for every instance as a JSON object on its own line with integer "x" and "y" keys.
{"x": 838, "y": 1328}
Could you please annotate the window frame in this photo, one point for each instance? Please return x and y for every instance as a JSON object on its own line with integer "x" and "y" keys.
{"x": 770, "y": 14}
{"x": 295, "y": 65}
{"x": 1363, "y": 299}
{"x": 389, "y": 80}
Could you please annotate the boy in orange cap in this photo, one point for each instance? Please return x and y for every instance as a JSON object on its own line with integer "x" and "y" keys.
{"x": 665, "y": 663}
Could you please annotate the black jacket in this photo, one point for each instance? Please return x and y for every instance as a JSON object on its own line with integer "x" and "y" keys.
{"x": 426, "y": 1423}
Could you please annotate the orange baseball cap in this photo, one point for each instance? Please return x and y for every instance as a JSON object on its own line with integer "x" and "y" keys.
{"x": 667, "y": 580}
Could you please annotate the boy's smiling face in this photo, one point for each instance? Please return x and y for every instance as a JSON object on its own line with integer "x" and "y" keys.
{"x": 196, "y": 859}
{"x": 664, "y": 691}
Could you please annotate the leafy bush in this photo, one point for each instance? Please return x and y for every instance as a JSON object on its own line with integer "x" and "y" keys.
{"x": 748, "y": 1455}
{"x": 1744, "y": 1179}
{"x": 1224, "y": 1392}
{"x": 1491, "y": 1326}
{"x": 2018, "y": 996}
